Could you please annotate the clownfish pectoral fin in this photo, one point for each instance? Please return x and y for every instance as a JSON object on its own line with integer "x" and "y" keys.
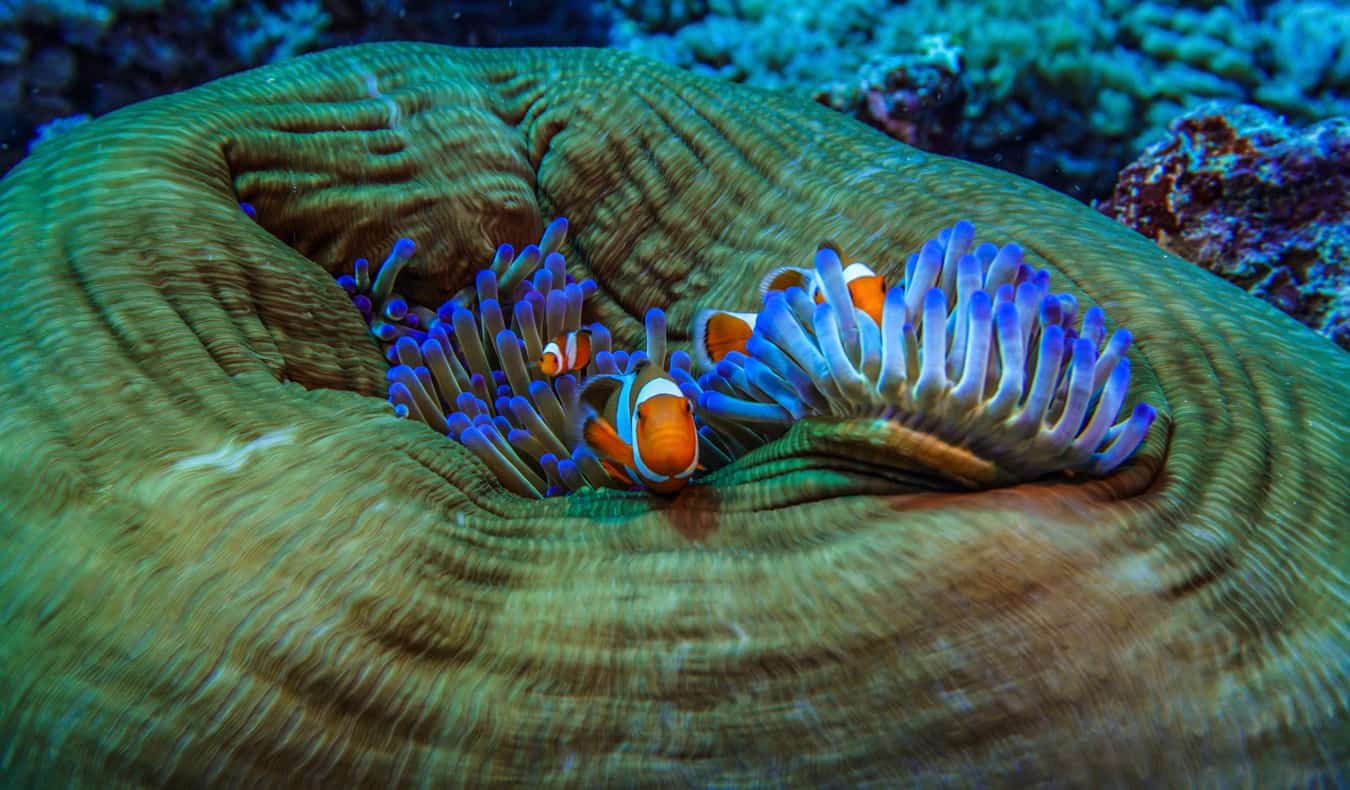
{"x": 785, "y": 277}
{"x": 718, "y": 333}
{"x": 601, "y": 437}
{"x": 594, "y": 397}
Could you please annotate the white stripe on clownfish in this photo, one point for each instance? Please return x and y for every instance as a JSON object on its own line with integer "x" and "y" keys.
{"x": 785, "y": 277}
{"x": 656, "y": 388}
{"x": 719, "y": 332}
{"x": 566, "y": 353}
{"x": 642, "y": 422}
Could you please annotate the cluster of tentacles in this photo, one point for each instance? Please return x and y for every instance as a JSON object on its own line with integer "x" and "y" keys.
{"x": 1009, "y": 379}
{"x": 464, "y": 372}
{"x": 972, "y": 350}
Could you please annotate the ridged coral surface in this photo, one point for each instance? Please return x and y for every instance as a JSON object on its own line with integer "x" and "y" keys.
{"x": 224, "y": 560}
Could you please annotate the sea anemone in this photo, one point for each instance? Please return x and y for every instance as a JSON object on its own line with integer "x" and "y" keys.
{"x": 1008, "y": 386}
{"x": 1009, "y": 389}
{"x": 227, "y": 564}
{"x": 462, "y": 371}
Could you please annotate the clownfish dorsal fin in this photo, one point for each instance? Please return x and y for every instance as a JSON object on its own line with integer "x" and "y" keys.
{"x": 833, "y": 246}
{"x": 785, "y": 277}
{"x": 598, "y": 391}
{"x": 599, "y": 397}
{"x": 719, "y": 332}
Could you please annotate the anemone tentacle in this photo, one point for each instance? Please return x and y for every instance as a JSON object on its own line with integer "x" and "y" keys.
{"x": 466, "y": 374}
{"x": 972, "y": 349}
{"x": 463, "y": 372}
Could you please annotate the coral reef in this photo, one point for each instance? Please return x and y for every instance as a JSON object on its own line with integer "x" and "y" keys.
{"x": 1065, "y": 93}
{"x": 1240, "y": 192}
{"x": 225, "y": 560}
{"x": 70, "y": 57}
{"x": 918, "y": 98}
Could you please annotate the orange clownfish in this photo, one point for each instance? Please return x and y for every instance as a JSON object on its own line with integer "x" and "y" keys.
{"x": 642, "y": 427}
{"x": 569, "y": 352}
{"x": 866, "y": 288}
{"x": 719, "y": 332}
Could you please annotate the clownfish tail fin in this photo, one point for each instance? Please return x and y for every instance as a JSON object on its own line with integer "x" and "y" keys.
{"x": 785, "y": 277}
{"x": 718, "y": 333}
{"x": 700, "y": 339}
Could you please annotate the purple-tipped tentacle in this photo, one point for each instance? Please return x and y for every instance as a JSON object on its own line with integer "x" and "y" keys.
{"x": 555, "y": 313}
{"x": 389, "y": 270}
{"x": 1048, "y": 358}
{"x": 574, "y": 298}
{"x": 969, "y": 389}
{"x": 958, "y": 244}
{"x": 550, "y": 408}
{"x": 557, "y": 269}
{"x": 1004, "y": 267}
{"x": 1104, "y": 413}
{"x": 527, "y": 417}
{"x": 933, "y": 380}
{"x": 485, "y": 283}
{"x": 1082, "y": 360}
{"x": 733, "y": 408}
{"x": 555, "y": 233}
{"x": 1012, "y": 362}
{"x": 571, "y": 474}
{"x": 1124, "y": 440}
{"x": 655, "y": 322}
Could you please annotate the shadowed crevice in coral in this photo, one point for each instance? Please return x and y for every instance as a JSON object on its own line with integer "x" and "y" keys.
{"x": 226, "y": 560}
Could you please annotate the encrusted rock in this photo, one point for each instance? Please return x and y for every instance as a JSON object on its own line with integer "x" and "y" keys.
{"x": 1264, "y": 205}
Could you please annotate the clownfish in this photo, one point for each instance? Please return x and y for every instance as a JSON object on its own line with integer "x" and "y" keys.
{"x": 566, "y": 353}
{"x": 642, "y": 427}
{"x": 719, "y": 332}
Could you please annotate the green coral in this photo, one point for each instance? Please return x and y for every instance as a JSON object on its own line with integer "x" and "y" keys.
{"x": 1065, "y": 92}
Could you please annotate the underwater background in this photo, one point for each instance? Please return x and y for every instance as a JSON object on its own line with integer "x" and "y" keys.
{"x": 1215, "y": 127}
{"x": 391, "y": 415}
